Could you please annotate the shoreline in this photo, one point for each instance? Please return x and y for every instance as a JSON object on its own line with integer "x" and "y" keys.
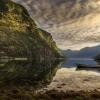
{"x": 68, "y": 95}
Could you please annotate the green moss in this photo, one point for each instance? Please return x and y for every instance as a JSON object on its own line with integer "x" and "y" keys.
{"x": 19, "y": 35}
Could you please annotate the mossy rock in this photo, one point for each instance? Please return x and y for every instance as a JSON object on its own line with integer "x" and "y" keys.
{"x": 20, "y": 36}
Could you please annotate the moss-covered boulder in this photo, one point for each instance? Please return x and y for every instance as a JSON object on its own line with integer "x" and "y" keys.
{"x": 20, "y": 36}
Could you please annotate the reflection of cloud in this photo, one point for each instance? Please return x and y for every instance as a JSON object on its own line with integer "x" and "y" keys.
{"x": 70, "y": 79}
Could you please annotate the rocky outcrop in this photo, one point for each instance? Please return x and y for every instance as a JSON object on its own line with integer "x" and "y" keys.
{"x": 21, "y": 37}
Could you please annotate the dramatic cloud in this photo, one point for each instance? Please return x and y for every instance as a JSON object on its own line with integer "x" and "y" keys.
{"x": 57, "y": 11}
{"x": 73, "y": 23}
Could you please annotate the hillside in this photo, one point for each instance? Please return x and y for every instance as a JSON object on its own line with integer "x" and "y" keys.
{"x": 21, "y": 37}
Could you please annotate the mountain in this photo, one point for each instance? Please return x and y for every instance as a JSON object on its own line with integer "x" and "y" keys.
{"x": 21, "y": 37}
{"x": 87, "y": 52}
{"x": 74, "y": 24}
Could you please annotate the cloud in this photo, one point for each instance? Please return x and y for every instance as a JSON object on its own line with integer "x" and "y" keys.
{"x": 51, "y": 12}
{"x": 73, "y": 23}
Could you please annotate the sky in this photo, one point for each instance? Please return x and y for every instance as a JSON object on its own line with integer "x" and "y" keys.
{"x": 73, "y": 24}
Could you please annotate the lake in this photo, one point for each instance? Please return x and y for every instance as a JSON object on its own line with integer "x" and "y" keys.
{"x": 39, "y": 77}
{"x": 71, "y": 62}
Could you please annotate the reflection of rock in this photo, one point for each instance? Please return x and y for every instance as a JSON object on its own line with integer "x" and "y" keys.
{"x": 21, "y": 79}
{"x": 97, "y": 58}
{"x": 22, "y": 73}
{"x": 20, "y": 36}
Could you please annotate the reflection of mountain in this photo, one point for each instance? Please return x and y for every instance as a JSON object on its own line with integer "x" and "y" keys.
{"x": 87, "y": 52}
{"x": 71, "y": 22}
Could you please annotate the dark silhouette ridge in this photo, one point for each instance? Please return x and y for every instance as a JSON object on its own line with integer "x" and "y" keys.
{"x": 88, "y": 52}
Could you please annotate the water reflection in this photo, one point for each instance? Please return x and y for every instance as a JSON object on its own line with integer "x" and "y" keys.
{"x": 39, "y": 75}
{"x": 89, "y": 69}
{"x": 18, "y": 72}
{"x": 69, "y": 78}
{"x": 71, "y": 62}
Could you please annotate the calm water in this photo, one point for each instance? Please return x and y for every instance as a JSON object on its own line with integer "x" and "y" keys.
{"x": 71, "y": 62}
{"x": 69, "y": 77}
{"x": 24, "y": 73}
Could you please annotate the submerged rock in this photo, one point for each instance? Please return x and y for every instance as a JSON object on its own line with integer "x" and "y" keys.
{"x": 21, "y": 37}
{"x": 97, "y": 58}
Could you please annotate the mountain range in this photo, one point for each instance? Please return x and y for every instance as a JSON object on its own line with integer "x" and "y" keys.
{"x": 87, "y": 52}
